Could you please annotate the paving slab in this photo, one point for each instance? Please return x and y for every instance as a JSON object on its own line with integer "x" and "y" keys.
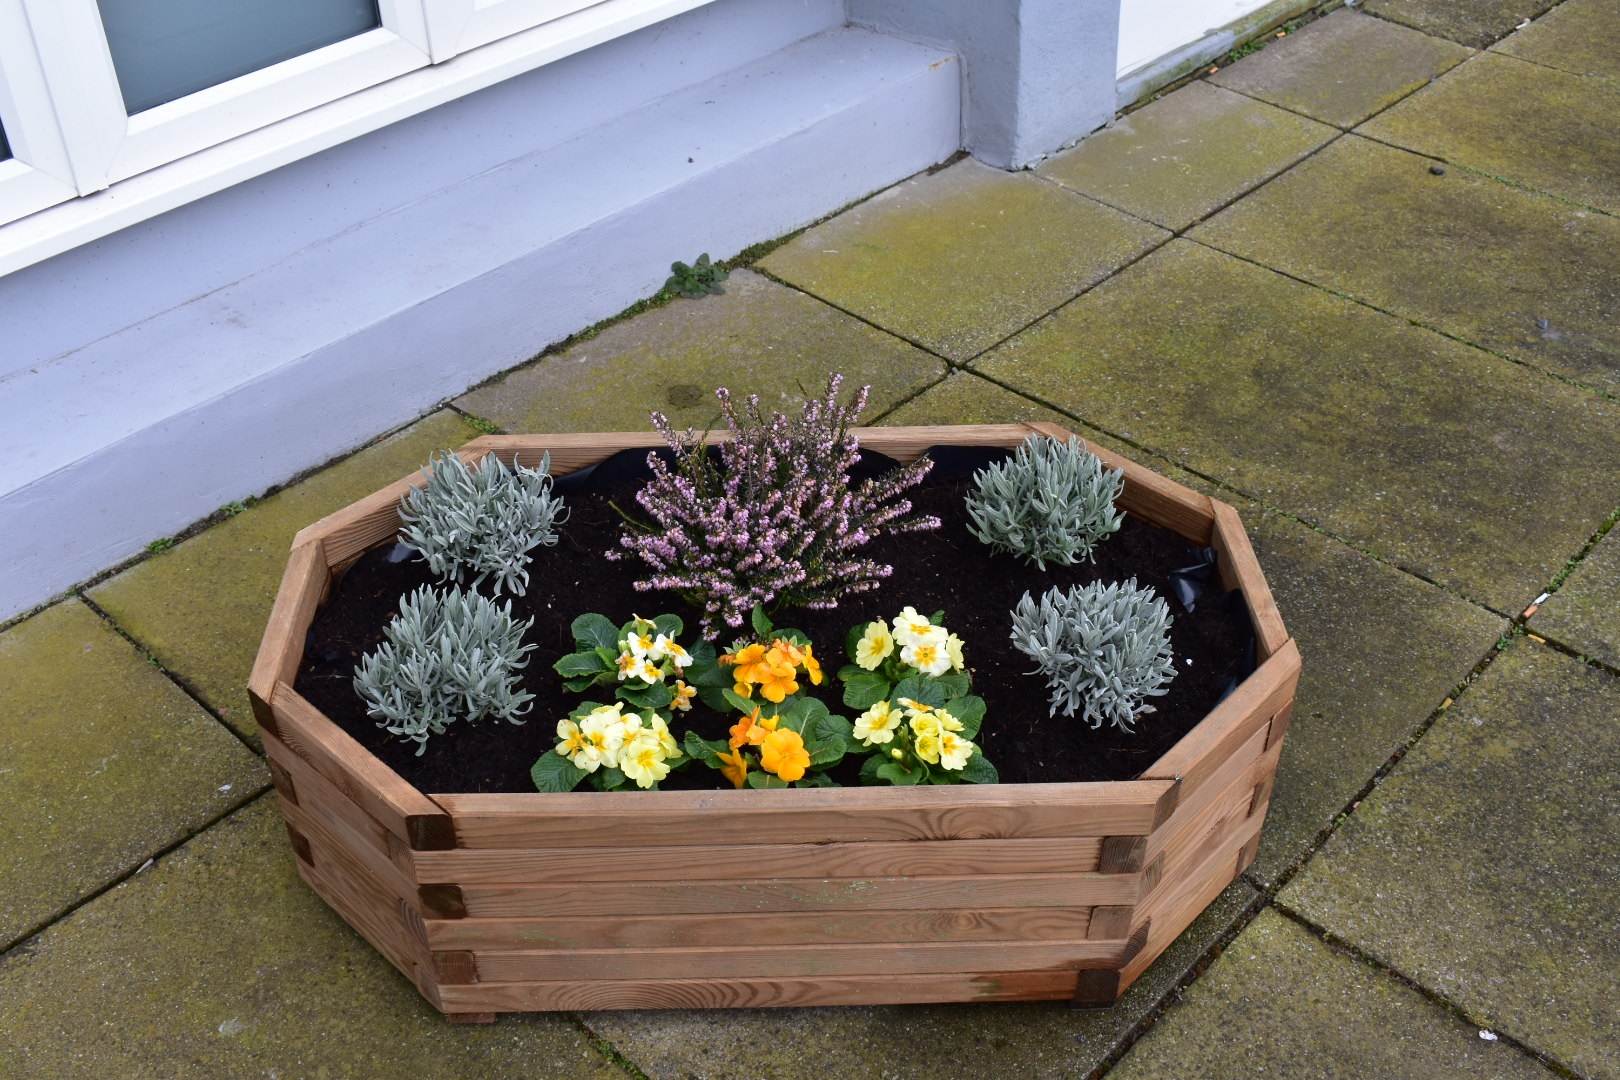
{"x": 1484, "y": 866}
{"x": 1279, "y": 1002}
{"x": 103, "y": 763}
{"x": 758, "y": 337}
{"x": 1528, "y": 124}
{"x": 220, "y": 962}
{"x": 959, "y": 259}
{"x": 1471, "y": 22}
{"x": 1578, "y": 36}
{"x": 1584, "y": 613}
{"x": 1477, "y": 473}
{"x": 1524, "y": 275}
{"x": 1342, "y": 68}
{"x": 200, "y": 607}
{"x": 899, "y": 1043}
{"x": 1186, "y": 154}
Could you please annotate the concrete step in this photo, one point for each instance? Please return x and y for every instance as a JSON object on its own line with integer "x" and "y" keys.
{"x": 151, "y": 427}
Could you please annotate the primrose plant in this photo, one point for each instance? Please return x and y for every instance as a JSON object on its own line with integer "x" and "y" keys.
{"x": 779, "y": 521}
{"x": 1104, "y": 649}
{"x": 448, "y": 655}
{"x": 1051, "y": 501}
{"x": 481, "y": 522}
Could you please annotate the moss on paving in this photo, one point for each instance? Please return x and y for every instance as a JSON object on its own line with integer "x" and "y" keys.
{"x": 106, "y": 762}
{"x": 1584, "y": 614}
{"x": 756, "y": 337}
{"x": 1186, "y": 154}
{"x": 1476, "y": 23}
{"x": 201, "y": 606}
{"x": 1279, "y": 1002}
{"x": 958, "y": 259}
{"x": 1578, "y": 36}
{"x": 1484, "y": 866}
{"x": 1343, "y": 68}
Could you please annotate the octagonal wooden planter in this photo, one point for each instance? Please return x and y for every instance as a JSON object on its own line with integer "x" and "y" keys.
{"x": 685, "y": 899}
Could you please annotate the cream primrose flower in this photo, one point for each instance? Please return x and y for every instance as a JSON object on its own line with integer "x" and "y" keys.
{"x": 641, "y": 644}
{"x": 927, "y": 652}
{"x": 954, "y": 751}
{"x": 642, "y": 759}
{"x": 953, "y": 650}
{"x": 908, "y": 625}
{"x": 602, "y": 732}
{"x": 635, "y": 667}
{"x": 683, "y": 696}
{"x": 874, "y": 647}
{"x": 877, "y": 724}
{"x": 926, "y": 747}
{"x": 666, "y": 741}
{"x": 926, "y": 726}
{"x": 673, "y": 650}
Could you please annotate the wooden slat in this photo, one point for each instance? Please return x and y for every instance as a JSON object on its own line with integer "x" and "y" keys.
{"x": 1240, "y": 763}
{"x": 303, "y": 585}
{"x": 364, "y": 848}
{"x": 1236, "y": 555}
{"x": 370, "y": 909}
{"x": 1204, "y": 749}
{"x": 700, "y": 897}
{"x": 346, "y": 533}
{"x": 1148, "y": 495}
{"x": 914, "y": 858}
{"x": 763, "y": 928}
{"x": 359, "y": 776}
{"x": 1223, "y": 815}
{"x": 890, "y": 989}
{"x": 581, "y": 819}
{"x": 790, "y": 961}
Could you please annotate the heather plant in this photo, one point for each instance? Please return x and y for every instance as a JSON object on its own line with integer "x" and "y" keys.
{"x": 1051, "y": 501}
{"x": 1104, "y": 649}
{"x": 448, "y": 655}
{"x": 778, "y": 521}
{"x": 481, "y": 522}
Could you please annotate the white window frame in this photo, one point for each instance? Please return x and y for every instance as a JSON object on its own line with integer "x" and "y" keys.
{"x": 37, "y": 174}
{"x": 454, "y": 26}
{"x": 106, "y": 145}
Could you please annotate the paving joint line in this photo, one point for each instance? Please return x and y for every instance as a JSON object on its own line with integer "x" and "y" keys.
{"x": 21, "y": 944}
{"x": 605, "y": 1047}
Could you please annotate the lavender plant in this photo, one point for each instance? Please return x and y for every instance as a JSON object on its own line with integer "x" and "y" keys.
{"x": 779, "y": 520}
{"x": 481, "y": 522}
{"x": 1051, "y": 501}
{"x": 448, "y": 655}
{"x": 1103, "y": 648}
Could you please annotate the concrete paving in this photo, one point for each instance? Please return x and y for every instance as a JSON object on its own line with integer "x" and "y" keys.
{"x": 1387, "y": 332}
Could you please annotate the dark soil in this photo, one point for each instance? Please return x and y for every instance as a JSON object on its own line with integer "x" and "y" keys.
{"x": 947, "y": 569}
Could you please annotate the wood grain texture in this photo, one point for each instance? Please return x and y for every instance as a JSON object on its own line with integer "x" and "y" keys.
{"x": 304, "y": 585}
{"x": 1238, "y": 764}
{"x": 914, "y": 858}
{"x": 965, "y": 812}
{"x": 1236, "y": 557}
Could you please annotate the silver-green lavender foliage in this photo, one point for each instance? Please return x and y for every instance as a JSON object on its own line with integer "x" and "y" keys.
{"x": 481, "y": 522}
{"x": 1050, "y": 502}
{"x": 1104, "y": 649}
{"x": 448, "y": 655}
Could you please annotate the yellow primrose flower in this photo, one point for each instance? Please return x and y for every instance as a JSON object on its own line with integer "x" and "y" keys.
{"x": 602, "y": 735}
{"x": 643, "y": 669}
{"x": 629, "y": 663}
{"x": 877, "y": 724}
{"x": 874, "y": 647}
{"x": 573, "y": 745}
{"x": 642, "y": 644}
{"x": 953, "y": 650}
{"x": 947, "y": 721}
{"x": 666, "y": 741}
{"x": 735, "y": 767}
{"x": 673, "y": 650}
{"x": 683, "y": 696}
{"x": 783, "y": 753}
{"x": 642, "y": 759}
{"x": 927, "y": 747}
{"x": 927, "y": 656}
{"x": 954, "y": 751}
{"x": 926, "y": 725}
{"x": 909, "y": 625}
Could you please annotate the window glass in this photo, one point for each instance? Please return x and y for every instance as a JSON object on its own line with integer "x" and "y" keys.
{"x": 166, "y": 49}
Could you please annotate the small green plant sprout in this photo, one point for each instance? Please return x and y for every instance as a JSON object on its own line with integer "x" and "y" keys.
{"x": 910, "y": 678}
{"x": 612, "y": 748}
{"x": 1051, "y": 502}
{"x": 699, "y": 279}
{"x": 1104, "y": 649}
{"x": 481, "y": 522}
{"x": 448, "y": 655}
{"x": 642, "y": 662}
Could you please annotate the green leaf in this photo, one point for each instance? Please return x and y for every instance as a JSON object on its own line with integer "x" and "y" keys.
{"x": 953, "y": 683}
{"x": 715, "y": 697}
{"x": 870, "y": 766}
{"x": 853, "y": 639}
{"x": 827, "y": 738}
{"x": 552, "y": 772}
{"x": 707, "y": 751}
{"x": 759, "y": 778}
{"x": 938, "y": 617}
{"x": 705, "y": 668}
{"x": 896, "y": 773}
{"x": 918, "y": 688}
{"x": 576, "y": 664}
{"x": 738, "y": 702}
{"x": 978, "y": 770}
{"x": 655, "y": 696}
{"x": 818, "y": 779}
{"x": 584, "y": 709}
{"x": 762, "y": 622}
{"x": 605, "y": 779}
{"x": 594, "y": 631}
{"x": 668, "y": 625}
{"x": 580, "y": 685}
{"x": 969, "y": 710}
{"x": 863, "y": 689}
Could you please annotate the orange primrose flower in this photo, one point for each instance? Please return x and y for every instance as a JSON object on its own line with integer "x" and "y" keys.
{"x": 783, "y": 753}
{"x": 751, "y": 730}
{"x": 735, "y": 768}
{"x": 751, "y": 668}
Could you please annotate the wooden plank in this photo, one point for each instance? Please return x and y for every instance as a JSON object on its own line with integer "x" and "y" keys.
{"x": 311, "y": 819}
{"x": 1218, "y": 818}
{"x": 897, "y": 988}
{"x": 580, "y": 819}
{"x": 315, "y": 794}
{"x": 1148, "y": 495}
{"x": 346, "y": 533}
{"x": 764, "y": 928}
{"x": 371, "y": 910}
{"x": 1226, "y": 837}
{"x": 1236, "y": 554}
{"x": 791, "y": 961}
{"x": 1204, "y": 749}
{"x": 705, "y": 897}
{"x": 1240, "y": 763}
{"x": 303, "y": 585}
{"x": 359, "y": 776}
{"x": 913, "y": 858}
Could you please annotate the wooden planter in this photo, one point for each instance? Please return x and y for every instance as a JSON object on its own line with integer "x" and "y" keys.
{"x": 687, "y": 899}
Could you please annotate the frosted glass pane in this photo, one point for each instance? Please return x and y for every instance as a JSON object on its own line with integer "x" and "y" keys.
{"x": 165, "y": 49}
